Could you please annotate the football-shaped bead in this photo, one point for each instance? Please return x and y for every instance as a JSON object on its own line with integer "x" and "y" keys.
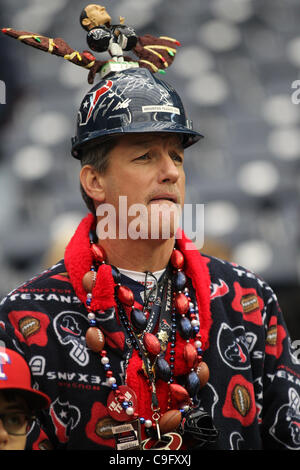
{"x": 179, "y": 393}
{"x": 138, "y": 319}
{"x": 95, "y": 339}
{"x": 177, "y": 259}
{"x": 152, "y": 344}
{"x": 193, "y": 384}
{"x": 202, "y": 371}
{"x": 98, "y": 253}
{"x": 88, "y": 280}
{"x": 180, "y": 280}
{"x": 170, "y": 421}
{"x": 125, "y": 295}
{"x": 185, "y": 328}
{"x": 162, "y": 369}
{"x": 182, "y": 304}
{"x": 190, "y": 355}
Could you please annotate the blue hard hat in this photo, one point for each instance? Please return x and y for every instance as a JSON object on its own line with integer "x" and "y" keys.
{"x": 131, "y": 101}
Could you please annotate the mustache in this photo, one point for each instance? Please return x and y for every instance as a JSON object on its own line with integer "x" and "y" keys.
{"x": 169, "y": 192}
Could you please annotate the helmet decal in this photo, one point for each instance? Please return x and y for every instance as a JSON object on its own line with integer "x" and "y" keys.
{"x": 90, "y": 101}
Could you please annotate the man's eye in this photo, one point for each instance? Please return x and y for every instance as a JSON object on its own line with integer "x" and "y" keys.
{"x": 176, "y": 157}
{"x": 146, "y": 156}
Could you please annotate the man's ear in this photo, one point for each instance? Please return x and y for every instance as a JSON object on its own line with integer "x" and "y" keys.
{"x": 91, "y": 182}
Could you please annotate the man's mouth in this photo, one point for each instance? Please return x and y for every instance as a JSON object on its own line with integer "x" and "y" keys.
{"x": 161, "y": 198}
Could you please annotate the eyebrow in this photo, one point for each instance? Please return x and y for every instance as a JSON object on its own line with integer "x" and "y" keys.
{"x": 147, "y": 142}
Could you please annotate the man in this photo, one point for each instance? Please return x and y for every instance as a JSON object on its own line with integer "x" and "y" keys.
{"x": 141, "y": 341}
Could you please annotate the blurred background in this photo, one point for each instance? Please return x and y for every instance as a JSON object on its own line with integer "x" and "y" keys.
{"x": 235, "y": 71}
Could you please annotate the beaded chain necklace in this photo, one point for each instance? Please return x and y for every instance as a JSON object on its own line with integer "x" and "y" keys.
{"x": 177, "y": 313}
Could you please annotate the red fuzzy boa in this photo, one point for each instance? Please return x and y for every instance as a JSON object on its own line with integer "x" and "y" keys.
{"x": 78, "y": 260}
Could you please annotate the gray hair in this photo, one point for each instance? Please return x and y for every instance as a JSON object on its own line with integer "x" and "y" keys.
{"x": 98, "y": 157}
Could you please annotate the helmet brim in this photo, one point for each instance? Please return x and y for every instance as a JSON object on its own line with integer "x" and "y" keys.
{"x": 189, "y": 136}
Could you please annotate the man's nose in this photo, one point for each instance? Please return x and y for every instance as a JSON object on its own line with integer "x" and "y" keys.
{"x": 168, "y": 171}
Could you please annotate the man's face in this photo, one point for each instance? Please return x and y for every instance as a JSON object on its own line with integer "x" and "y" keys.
{"x": 97, "y": 15}
{"x": 148, "y": 170}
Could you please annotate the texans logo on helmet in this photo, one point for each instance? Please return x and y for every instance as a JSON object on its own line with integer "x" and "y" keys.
{"x": 90, "y": 101}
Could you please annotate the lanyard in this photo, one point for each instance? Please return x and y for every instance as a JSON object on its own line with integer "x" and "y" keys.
{"x": 160, "y": 314}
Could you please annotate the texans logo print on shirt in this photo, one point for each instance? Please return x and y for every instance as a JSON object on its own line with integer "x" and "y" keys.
{"x": 65, "y": 417}
{"x": 69, "y": 333}
{"x": 233, "y": 346}
{"x": 218, "y": 290}
{"x": 290, "y": 413}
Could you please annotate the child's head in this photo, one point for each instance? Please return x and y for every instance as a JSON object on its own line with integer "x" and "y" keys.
{"x": 18, "y": 400}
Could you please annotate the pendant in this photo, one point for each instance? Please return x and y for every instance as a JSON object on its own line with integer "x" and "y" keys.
{"x": 123, "y": 405}
{"x": 127, "y": 435}
{"x": 170, "y": 441}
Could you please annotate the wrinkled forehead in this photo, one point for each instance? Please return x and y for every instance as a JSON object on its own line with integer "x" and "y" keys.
{"x": 150, "y": 139}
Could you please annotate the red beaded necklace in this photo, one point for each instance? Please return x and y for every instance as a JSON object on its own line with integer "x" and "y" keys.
{"x": 122, "y": 401}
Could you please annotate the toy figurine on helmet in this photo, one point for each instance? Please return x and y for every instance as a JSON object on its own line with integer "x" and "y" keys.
{"x": 129, "y": 98}
{"x": 154, "y": 53}
{"x": 103, "y": 36}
